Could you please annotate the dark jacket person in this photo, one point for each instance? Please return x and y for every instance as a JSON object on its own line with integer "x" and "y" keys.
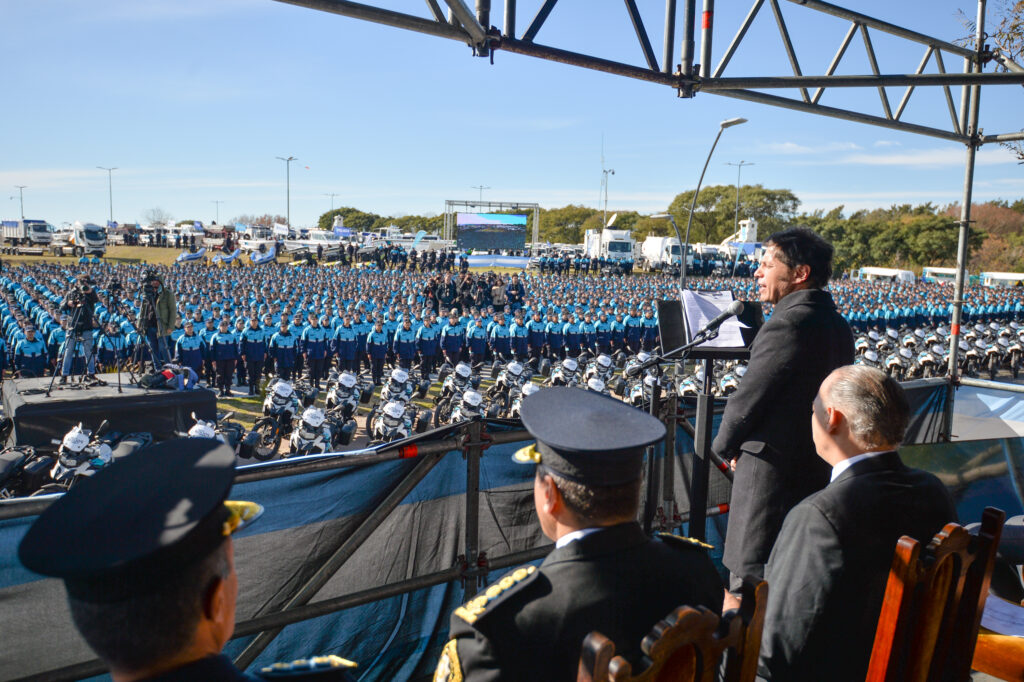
{"x": 828, "y": 571}
{"x": 604, "y": 574}
{"x": 764, "y": 428}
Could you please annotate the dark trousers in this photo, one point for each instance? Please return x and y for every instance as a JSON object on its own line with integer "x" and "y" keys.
{"x": 428, "y": 362}
{"x": 316, "y": 370}
{"x": 347, "y": 364}
{"x": 405, "y": 363}
{"x": 254, "y": 368}
{"x": 241, "y": 372}
{"x": 377, "y": 369}
{"x": 225, "y": 371}
{"x": 285, "y": 372}
{"x": 211, "y": 373}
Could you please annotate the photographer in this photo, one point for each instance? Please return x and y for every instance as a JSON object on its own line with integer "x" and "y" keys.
{"x": 157, "y": 312}
{"x": 79, "y": 305}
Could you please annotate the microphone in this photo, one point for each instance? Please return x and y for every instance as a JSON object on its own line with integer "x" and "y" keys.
{"x": 734, "y": 308}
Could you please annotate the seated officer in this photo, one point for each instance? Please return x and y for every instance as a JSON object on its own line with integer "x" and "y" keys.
{"x": 604, "y": 574}
{"x": 146, "y": 556}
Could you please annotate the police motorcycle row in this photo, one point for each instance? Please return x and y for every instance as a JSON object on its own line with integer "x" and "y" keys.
{"x": 395, "y": 416}
{"x": 221, "y": 428}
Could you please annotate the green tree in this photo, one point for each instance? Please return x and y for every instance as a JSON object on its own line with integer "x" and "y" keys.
{"x": 565, "y": 225}
{"x": 355, "y": 220}
{"x": 714, "y": 217}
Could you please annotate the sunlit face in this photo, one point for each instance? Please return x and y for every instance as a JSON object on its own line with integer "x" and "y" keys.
{"x": 774, "y": 278}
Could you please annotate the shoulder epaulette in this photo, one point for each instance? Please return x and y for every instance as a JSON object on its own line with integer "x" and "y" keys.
{"x": 683, "y": 541}
{"x": 475, "y": 607}
{"x": 325, "y": 667}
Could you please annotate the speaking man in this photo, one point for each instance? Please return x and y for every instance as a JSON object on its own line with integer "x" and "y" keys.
{"x": 828, "y": 571}
{"x": 764, "y": 430}
{"x": 604, "y": 574}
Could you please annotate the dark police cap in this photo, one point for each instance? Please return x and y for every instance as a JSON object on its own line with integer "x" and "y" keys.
{"x": 138, "y": 522}
{"x": 587, "y": 437}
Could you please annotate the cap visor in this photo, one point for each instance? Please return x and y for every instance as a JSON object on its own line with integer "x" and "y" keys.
{"x": 240, "y": 515}
{"x": 527, "y": 455}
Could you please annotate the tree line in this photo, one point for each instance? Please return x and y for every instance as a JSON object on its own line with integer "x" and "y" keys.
{"x": 903, "y": 236}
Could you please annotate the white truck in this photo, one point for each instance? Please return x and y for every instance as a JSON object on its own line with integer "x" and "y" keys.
{"x": 80, "y": 239}
{"x": 25, "y": 236}
{"x": 616, "y": 245}
{"x": 662, "y": 253}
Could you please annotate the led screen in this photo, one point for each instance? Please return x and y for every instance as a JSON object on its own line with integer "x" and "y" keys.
{"x": 491, "y": 231}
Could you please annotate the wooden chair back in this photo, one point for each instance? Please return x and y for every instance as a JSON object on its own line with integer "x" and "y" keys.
{"x": 687, "y": 646}
{"x": 933, "y": 603}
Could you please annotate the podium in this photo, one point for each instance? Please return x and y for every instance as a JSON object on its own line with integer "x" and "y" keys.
{"x": 677, "y": 330}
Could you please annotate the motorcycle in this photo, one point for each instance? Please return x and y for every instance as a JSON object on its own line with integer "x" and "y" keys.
{"x": 23, "y": 470}
{"x": 80, "y": 454}
{"x": 930, "y": 361}
{"x": 565, "y": 373}
{"x": 313, "y": 433}
{"x": 994, "y": 356}
{"x": 395, "y": 421}
{"x": 279, "y": 409}
{"x": 597, "y": 386}
{"x": 510, "y": 380}
{"x": 470, "y": 407}
{"x": 230, "y": 433}
{"x": 515, "y": 408}
{"x": 345, "y": 393}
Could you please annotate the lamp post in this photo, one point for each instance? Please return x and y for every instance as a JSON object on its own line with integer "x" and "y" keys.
{"x": 684, "y": 244}
{"x": 331, "y": 195}
{"x": 110, "y": 189}
{"x": 736, "y": 226}
{"x": 21, "y": 199}
{"x": 288, "y": 187}
{"x": 604, "y": 184}
{"x": 218, "y": 202}
{"x": 481, "y": 188}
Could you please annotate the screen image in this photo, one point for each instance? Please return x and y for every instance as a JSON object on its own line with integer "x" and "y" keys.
{"x": 491, "y": 231}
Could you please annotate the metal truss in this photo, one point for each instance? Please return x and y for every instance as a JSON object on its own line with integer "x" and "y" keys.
{"x": 694, "y": 74}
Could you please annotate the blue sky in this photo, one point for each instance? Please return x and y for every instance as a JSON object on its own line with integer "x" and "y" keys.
{"x": 192, "y": 100}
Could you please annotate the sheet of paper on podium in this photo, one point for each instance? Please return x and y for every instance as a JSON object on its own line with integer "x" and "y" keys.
{"x": 701, "y": 307}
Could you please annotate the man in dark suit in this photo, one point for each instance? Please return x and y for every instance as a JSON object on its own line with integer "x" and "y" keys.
{"x": 764, "y": 430}
{"x": 604, "y": 574}
{"x": 828, "y": 571}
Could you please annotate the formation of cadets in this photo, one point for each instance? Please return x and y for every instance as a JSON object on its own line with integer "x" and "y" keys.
{"x": 236, "y": 326}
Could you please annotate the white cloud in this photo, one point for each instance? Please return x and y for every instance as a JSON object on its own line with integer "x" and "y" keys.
{"x": 792, "y": 148}
{"x": 886, "y": 143}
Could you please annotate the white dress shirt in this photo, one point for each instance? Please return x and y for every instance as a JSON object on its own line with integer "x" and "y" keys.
{"x": 847, "y": 463}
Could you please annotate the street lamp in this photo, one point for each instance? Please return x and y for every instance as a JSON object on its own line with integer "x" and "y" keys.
{"x": 736, "y": 226}
{"x": 288, "y": 187}
{"x": 331, "y": 195}
{"x": 110, "y": 189}
{"x": 604, "y": 184}
{"x": 21, "y": 199}
{"x": 218, "y": 202}
{"x": 684, "y": 244}
{"x": 481, "y": 188}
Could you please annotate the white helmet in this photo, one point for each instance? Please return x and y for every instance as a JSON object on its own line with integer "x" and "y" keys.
{"x": 740, "y": 370}
{"x": 399, "y": 375}
{"x": 472, "y": 398}
{"x": 643, "y": 356}
{"x": 906, "y": 353}
{"x": 649, "y": 380}
{"x": 202, "y": 429}
{"x": 604, "y": 361}
{"x": 76, "y": 439}
{"x": 570, "y": 364}
{"x": 463, "y": 370}
{"x": 514, "y": 368}
{"x": 394, "y": 409}
{"x": 348, "y": 380}
{"x": 283, "y": 389}
{"x": 871, "y": 356}
{"x": 595, "y": 384}
{"x": 938, "y": 350}
{"x": 313, "y": 416}
{"x": 530, "y": 389}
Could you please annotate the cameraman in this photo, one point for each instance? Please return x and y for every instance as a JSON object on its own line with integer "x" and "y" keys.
{"x": 157, "y": 313}
{"x": 79, "y": 305}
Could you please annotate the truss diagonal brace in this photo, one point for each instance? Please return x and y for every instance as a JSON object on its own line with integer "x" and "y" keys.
{"x": 466, "y": 17}
{"x": 865, "y": 81}
{"x": 357, "y": 10}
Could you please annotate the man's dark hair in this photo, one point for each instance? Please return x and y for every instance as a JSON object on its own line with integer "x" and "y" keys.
{"x": 598, "y": 504}
{"x": 136, "y": 633}
{"x": 802, "y": 246}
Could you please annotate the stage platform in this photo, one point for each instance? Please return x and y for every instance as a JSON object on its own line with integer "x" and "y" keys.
{"x": 38, "y": 418}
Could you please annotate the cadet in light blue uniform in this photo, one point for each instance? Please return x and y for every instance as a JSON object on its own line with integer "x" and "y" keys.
{"x": 363, "y": 328}
{"x": 377, "y": 344}
{"x": 649, "y": 330}
{"x": 283, "y": 347}
{"x": 30, "y": 354}
{"x": 476, "y": 338}
{"x": 404, "y": 345}
{"x": 452, "y": 340}
{"x": 224, "y": 351}
{"x": 536, "y": 336}
{"x": 345, "y": 345}
{"x": 427, "y": 338}
{"x": 314, "y": 347}
{"x": 519, "y": 333}
{"x": 252, "y": 346}
{"x": 501, "y": 339}
{"x": 189, "y": 350}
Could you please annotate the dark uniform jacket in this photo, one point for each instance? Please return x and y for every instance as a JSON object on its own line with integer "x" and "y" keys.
{"x": 828, "y": 571}
{"x": 768, "y": 421}
{"x": 531, "y": 624}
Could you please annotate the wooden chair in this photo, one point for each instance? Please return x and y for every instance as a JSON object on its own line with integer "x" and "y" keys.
{"x": 933, "y": 602}
{"x": 687, "y": 645}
